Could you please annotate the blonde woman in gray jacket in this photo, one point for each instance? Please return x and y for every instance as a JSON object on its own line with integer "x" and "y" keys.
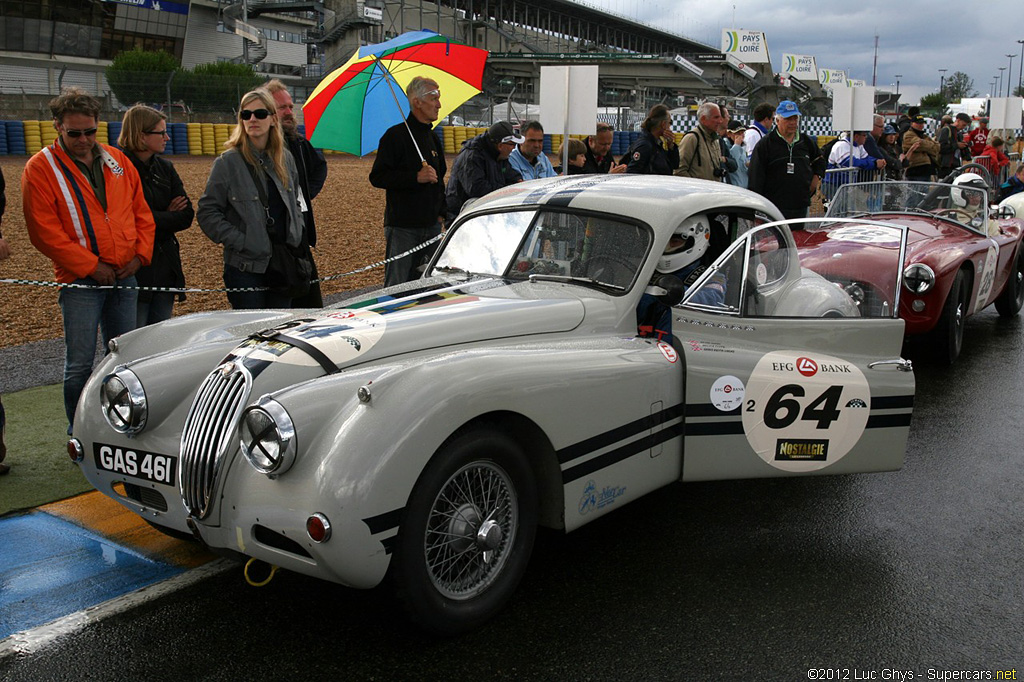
{"x": 252, "y": 205}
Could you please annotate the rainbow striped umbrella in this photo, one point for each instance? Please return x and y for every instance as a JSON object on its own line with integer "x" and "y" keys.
{"x": 352, "y": 107}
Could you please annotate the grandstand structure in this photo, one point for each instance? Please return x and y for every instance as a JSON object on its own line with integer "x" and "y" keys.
{"x": 50, "y": 44}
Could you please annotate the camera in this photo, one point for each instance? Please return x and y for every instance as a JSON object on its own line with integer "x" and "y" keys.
{"x": 719, "y": 172}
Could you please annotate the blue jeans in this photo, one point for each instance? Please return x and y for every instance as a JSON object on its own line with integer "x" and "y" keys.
{"x": 159, "y": 308}
{"x": 112, "y": 311}
{"x": 400, "y": 240}
{"x": 251, "y": 300}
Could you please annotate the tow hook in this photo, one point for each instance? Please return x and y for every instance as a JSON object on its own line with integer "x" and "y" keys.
{"x": 257, "y": 567}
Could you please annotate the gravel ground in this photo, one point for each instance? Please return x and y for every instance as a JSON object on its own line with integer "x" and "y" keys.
{"x": 349, "y": 214}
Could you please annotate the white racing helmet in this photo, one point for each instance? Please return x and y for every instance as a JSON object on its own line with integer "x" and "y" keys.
{"x": 688, "y": 243}
{"x": 960, "y": 198}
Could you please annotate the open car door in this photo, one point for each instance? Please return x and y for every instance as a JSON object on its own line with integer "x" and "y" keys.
{"x": 795, "y": 369}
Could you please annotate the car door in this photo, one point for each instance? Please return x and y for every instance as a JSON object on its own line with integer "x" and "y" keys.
{"x": 797, "y": 371}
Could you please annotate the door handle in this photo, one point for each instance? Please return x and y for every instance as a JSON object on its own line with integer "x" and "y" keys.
{"x": 900, "y": 363}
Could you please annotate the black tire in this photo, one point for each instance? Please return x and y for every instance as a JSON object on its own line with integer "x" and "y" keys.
{"x": 948, "y": 335}
{"x": 449, "y": 576}
{"x": 1011, "y": 298}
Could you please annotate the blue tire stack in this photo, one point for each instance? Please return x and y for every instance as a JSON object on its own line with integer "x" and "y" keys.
{"x": 15, "y": 138}
{"x": 620, "y": 142}
{"x": 114, "y": 132}
{"x": 547, "y": 144}
{"x": 3, "y": 139}
{"x": 179, "y": 139}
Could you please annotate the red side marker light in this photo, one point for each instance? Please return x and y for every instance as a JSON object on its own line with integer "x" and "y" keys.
{"x": 318, "y": 528}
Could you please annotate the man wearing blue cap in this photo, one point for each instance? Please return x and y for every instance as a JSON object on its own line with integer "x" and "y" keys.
{"x": 786, "y": 167}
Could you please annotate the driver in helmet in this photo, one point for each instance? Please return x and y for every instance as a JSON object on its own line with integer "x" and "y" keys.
{"x": 681, "y": 258}
{"x": 968, "y": 195}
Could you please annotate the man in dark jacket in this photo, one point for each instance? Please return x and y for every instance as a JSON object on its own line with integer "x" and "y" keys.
{"x": 482, "y": 166}
{"x": 598, "y": 154}
{"x": 312, "y": 175}
{"x": 953, "y": 145}
{"x": 410, "y": 166}
{"x": 786, "y": 167}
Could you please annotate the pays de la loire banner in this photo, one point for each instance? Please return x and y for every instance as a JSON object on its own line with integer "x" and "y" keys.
{"x": 829, "y": 77}
{"x": 800, "y": 66}
{"x": 749, "y": 47}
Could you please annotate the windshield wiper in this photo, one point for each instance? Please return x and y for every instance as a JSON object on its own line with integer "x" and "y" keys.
{"x": 585, "y": 281}
{"x": 452, "y": 270}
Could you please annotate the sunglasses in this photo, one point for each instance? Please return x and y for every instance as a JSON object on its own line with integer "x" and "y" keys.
{"x": 155, "y": 132}
{"x": 88, "y": 132}
{"x": 260, "y": 114}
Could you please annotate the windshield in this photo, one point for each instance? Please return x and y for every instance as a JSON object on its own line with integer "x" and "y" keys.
{"x": 550, "y": 246}
{"x": 960, "y": 204}
{"x": 852, "y": 269}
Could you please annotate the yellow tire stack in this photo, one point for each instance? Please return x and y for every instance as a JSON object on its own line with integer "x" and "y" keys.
{"x": 209, "y": 146}
{"x": 221, "y": 133}
{"x": 47, "y": 133}
{"x": 33, "y": 138}
{"x": 195, "y": 138}
{"x": 449, "y": 140}
{"x": 102, "y": 134}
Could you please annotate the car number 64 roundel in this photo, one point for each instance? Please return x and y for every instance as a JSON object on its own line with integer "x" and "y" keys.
{"x": 804, "y": 411}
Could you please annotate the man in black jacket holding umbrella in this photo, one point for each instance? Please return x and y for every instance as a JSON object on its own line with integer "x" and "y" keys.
{"x": 312, "y": 175}
{"x": 410, "y": 167}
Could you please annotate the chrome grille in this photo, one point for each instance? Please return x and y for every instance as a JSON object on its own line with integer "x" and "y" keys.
{"x": 209, "y": 434}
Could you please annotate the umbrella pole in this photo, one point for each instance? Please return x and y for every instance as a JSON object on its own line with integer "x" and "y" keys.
{"x": 399, "y": 105}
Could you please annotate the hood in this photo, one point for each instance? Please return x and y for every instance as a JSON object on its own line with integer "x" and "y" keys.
{"x": 437, "y": 316}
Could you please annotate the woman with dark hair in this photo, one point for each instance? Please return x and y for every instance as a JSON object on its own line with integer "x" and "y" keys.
{"x": 143, "y": 137}
{"x": 655, "y": 152}
{"x": 251, "y": 204}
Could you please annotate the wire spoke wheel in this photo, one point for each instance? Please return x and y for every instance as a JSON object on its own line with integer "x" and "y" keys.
{"x": 470, "y": 528}
{"x": 467, "y": 534}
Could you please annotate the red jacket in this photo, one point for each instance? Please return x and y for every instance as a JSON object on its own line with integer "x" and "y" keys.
{"x": 67, "y": 223}
{"x": 977, "y": 139}
{"x": 999, "y": 159}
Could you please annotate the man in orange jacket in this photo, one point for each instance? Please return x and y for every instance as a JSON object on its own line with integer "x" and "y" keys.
{"x": 85, "y": 211}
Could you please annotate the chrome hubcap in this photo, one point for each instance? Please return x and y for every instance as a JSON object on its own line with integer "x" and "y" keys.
{"x": 470, "y": 530}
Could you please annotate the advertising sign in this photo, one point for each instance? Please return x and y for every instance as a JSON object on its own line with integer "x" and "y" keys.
{"x": 747, "y": 46}
{"x": 799, "y": 65}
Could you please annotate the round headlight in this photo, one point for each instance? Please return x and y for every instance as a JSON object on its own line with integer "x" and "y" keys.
{"x": 123, "y": 401}
{"x": 268, "y": 437}
{"x": 918, "y": 278}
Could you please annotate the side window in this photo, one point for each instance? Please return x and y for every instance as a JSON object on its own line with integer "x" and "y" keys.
{"x": 604, "y": 250}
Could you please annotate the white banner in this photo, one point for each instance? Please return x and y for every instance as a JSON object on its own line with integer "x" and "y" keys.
{"x": 856, "y": 83}
{"x": 801, "y": 66}
{"x": 829, "y": 77}
{"x": 750, "y": 47}
{"x": 853, "y": 108}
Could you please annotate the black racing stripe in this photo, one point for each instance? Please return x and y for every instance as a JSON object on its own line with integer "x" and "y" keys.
{"x": 385, "y": 521}
{"x": 613, "y": 456}
{"x": 601, "y": 440}
{"x": 536, "y": 195}
{"x": 892, "y": 402}
{"x": 723, "y": 428}
{"x": 708, "y": 410}
{"x": 888, "y": 421}
{"x": 565, "y": 196}
{"x": 389, "y": 544}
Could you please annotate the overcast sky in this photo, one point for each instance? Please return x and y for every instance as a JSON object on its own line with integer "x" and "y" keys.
{"x": 915, "y": 38}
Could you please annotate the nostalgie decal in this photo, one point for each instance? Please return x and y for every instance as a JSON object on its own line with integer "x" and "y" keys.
{"x": 727, "y": 393}
{"x": 804, "y": 411}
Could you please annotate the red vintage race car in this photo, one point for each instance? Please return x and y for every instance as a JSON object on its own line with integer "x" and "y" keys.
{"x": 960, "y": 254}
